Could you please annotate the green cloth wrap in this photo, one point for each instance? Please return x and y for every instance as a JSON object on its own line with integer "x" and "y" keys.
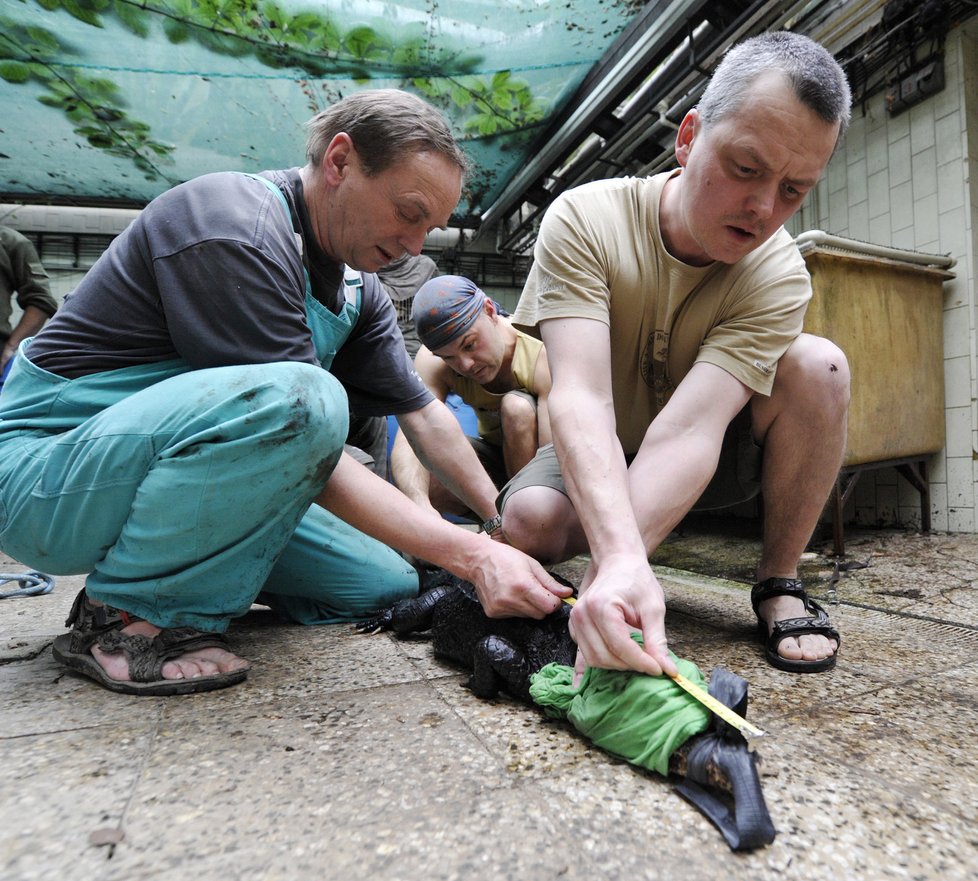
{"x": 642, "y": 719}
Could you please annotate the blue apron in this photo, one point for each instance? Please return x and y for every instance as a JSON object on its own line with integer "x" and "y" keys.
{"x": 184, "y": 493}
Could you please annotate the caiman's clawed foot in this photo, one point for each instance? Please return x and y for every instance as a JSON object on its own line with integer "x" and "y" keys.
{"x": 498, "y": 664}
{"x": 406, "y": 616}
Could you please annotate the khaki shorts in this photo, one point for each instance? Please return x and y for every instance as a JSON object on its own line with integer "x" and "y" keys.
{"x": 737, "y": 478}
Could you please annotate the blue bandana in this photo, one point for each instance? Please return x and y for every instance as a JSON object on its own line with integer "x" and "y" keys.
{"x": 444, "y": 308}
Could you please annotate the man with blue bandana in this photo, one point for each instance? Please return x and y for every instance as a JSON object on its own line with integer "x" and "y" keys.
{"x": 472, "y": 350}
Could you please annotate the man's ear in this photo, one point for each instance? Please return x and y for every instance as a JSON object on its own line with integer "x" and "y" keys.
{"x": 338, "y": 157}
{"x": 689, "y": 128}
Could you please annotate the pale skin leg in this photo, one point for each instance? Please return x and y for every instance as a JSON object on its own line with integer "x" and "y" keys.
{"x": 809, "y": 403}
{"x": 542, "y": 522}
{"x": 520, "y": 432}
{"x": 445, "y": 502}
{"x": 802, "y": 426}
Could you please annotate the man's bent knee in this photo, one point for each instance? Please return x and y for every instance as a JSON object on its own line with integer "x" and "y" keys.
{"x": 305, "y": 403}
{"x": 813, "y": 368}
{"x": 815, "y": 357}
{"x": 517, "y": 407}
{"x": 535, "y": 521}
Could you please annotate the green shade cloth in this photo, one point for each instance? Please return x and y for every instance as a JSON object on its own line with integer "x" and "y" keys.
{"x": 642, "y": 719}
{"x": 150, "y": 94}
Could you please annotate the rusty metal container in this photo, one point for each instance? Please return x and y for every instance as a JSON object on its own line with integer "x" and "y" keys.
{"x": 884, "y": 308}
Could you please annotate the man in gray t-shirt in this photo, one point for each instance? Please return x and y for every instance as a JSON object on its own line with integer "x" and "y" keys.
{"x": 176, "y": 432}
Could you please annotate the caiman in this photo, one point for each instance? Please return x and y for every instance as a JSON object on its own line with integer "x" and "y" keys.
{"x": 719, "y": 773}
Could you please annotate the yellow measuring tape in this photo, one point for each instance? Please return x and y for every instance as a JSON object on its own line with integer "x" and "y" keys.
{"x": 748, "y": 729}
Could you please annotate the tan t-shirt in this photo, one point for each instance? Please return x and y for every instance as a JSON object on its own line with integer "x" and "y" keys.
{"x": 600, "y": 255}
{"x": 486, "y": 403}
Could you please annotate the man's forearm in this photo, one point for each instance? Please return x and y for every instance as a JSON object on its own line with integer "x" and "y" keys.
{"x": 441, "y": 446}
{"x": 370, "y": 504}
{"x": 666, "y": 478}
{"x": 594, "y": 472}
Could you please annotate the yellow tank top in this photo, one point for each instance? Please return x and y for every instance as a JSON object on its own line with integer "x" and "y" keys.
{"x": 485, "y": 403}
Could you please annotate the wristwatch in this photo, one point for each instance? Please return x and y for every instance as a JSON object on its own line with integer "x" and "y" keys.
{"x": 492, "y": 524}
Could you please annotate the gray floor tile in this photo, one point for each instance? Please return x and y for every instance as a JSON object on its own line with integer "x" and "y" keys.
{"x": 361, "y": 757}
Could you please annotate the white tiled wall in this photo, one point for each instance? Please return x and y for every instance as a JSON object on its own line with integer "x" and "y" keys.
{"x": 912, "y": 182}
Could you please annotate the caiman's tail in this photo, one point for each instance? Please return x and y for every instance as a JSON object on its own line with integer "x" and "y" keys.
{"x": 722, "y": 752}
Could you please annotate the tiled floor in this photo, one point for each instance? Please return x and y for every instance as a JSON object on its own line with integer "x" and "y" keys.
{"x": 360, "y": 757}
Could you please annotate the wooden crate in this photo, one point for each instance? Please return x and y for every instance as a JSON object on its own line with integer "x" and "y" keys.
{"x": 887, "y": 316}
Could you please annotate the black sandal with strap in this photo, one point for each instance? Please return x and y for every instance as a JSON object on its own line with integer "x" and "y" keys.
{"x": 101, "y": 626}
{"x": 817, "y": 624}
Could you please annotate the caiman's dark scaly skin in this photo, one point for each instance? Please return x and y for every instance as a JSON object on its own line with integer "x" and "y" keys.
{"x": 503, "y": 653}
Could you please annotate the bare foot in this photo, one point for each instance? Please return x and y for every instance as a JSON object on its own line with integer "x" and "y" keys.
{"x": 811, "y": 647}
{"x": 202, "y": 662}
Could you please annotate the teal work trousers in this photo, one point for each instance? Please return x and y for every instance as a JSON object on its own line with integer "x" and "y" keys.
{"x": 184, "y": 494}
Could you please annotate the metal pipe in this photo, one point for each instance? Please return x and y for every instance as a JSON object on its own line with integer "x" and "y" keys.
{"x": 671, "y": 17}
{"x": 815, "y": 238}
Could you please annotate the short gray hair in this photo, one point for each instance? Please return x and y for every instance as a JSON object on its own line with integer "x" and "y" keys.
{"x": 816, "y": 77}
{"x": 385, "y": 125}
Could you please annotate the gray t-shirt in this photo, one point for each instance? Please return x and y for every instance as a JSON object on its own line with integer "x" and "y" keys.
{"x": 209, "y": 272}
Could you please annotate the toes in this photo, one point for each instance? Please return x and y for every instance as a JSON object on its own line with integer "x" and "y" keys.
{"x": 189, "y": 667}
{"x": 817, "y": 647}
{"x": 813, "y": 647}
{"x": 204, "y": 662}
{"x": 807, "y": 648}
{"x": 789, "y": 649}
{"x": 224, "y": 661}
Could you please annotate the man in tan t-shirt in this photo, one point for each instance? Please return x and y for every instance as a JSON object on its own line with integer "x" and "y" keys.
{"x": 671, "y": 309}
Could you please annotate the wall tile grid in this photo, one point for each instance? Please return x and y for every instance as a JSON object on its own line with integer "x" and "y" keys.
{"x": 907, "y": 182}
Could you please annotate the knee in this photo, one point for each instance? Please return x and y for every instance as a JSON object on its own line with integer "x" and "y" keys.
{"x": 307, "y": 403}
{"x": 815, "y": 369}
{"x": 517, "y": 413}
{"x": 529, "y": 525}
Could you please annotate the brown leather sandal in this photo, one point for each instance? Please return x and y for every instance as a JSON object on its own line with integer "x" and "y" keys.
{"x": 93, "y": 625}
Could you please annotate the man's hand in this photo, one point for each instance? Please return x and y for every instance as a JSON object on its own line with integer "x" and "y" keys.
{"x": 511, "y": 584}
{"x": 624, "y": 596}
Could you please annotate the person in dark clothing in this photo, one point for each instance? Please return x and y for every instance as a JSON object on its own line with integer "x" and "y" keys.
{"x": 22, "y": 278}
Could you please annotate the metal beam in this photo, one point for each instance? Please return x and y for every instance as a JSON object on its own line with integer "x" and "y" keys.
{"x": 656, "y": 27}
